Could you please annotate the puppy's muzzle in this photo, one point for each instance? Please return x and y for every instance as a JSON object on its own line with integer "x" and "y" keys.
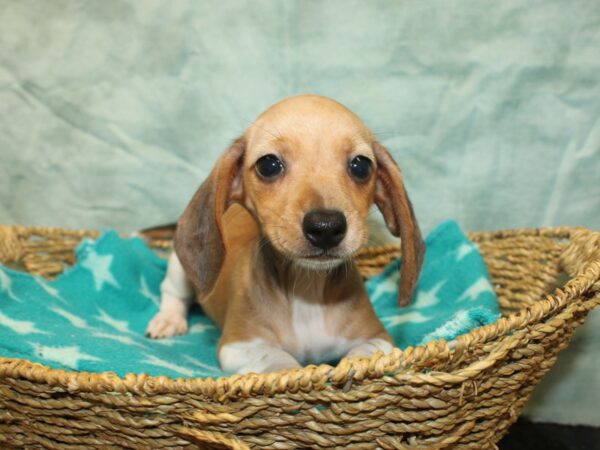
{"x": 324, "y": 228}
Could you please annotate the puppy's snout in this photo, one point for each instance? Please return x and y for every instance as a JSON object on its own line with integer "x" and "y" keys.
{"x": 324, "y": 228}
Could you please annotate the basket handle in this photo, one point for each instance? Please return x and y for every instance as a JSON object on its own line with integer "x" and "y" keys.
{"x": 582, "y": 252}
{"x": 10, "y": 245}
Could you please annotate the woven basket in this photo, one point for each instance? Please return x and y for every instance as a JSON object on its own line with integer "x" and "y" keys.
{"x": 463, "y": 394}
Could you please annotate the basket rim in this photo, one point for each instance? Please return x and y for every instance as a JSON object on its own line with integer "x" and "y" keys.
{"x": 347, "y": 370}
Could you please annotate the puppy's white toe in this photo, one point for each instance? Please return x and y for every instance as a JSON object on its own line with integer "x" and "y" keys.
{"x": 369, "y": 347}
{"x": 167, "y": 324}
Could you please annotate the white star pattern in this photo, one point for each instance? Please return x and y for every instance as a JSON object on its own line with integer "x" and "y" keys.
{"x": 6, "y": 285}
{"x": 198, "y": 328}
{"x": 68, "y": 355}
{"x": 145, "y": 291}
{"x": 99, "y": 267}
{"x": 19, "y": 326}
{"x": 76, "y": 321}
{"x": 151, "y": 359}
{"x": 119, "y": 325}
{"x": 428, "y": 298}
{"x": 169, "y": 342}
{"x": 480, "y": 286}
{"x": 464, "y": 250}
{"x": 399, "y": 319}
{"x": 200, "y": 364}
{"x": 126, "y": 340}
{"x": 386, "y": 286}
{"x": 53, "y": 292}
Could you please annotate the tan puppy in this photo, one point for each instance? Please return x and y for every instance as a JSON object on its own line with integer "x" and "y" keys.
{"x": 275, "y": 270}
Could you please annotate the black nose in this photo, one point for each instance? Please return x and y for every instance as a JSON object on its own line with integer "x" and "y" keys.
{"x": 324, "y": 228}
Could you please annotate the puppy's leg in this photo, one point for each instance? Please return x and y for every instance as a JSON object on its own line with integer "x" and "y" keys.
{"x": 370, "y": 346}
{"x": 257, "y": 356}
{"x": 176, "y": 296}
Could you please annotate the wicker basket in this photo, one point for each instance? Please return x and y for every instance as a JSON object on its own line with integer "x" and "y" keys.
{"x": 463, "y": 394}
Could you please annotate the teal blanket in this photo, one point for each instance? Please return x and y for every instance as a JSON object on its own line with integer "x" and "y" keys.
{"x": 93, "y": 317}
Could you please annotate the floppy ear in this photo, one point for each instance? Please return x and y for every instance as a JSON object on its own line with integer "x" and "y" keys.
{"x": 393, "y": 202}
{"x": 199, "y": 233}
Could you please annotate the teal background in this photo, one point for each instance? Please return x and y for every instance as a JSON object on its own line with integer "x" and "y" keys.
{"x": 112, "y": 112}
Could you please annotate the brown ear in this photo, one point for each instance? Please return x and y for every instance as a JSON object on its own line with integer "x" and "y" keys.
{"x": 393, "y": 202}
{"x": 199, "y": 234}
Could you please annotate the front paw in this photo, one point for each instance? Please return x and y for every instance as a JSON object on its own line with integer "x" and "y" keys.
{"x": 367, "y": 348}
{"x": 255, "y": 356}
{"x": 276, "y": 366}
{"x": 167, "y": 324}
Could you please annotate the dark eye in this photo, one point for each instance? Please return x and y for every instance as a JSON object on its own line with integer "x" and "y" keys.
{"x": 360, "y": 168}
{"x": 269, "y": 167}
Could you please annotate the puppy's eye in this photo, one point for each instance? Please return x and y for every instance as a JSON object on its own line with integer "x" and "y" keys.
{"x": 360, "y": 168}
{"x": 269, "y": 167}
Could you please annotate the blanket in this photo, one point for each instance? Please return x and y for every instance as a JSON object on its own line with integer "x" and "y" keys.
{"x": 93, "y": 316}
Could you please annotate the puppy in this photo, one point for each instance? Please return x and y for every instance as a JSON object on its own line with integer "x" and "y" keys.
{"x": 266, "y": 243}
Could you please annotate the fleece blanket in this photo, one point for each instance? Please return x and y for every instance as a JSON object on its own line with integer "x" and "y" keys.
{"x": 93, "y": 316}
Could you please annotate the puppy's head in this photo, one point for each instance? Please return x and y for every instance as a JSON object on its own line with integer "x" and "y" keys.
{"x": 308, "y": 170}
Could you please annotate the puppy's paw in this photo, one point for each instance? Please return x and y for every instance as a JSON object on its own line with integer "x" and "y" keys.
{"x": 167, "y": 324}
{"x": 255, "y": 356}
{"x": 369, "y": 347}
{"x": 281, "y": 365}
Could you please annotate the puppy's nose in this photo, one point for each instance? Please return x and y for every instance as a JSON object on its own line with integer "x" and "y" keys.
{"x": 324, "y": 228}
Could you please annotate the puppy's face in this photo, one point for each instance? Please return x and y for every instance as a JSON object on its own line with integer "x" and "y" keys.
{"x": 309, "y": 178}
{"x": 308, "y": 170}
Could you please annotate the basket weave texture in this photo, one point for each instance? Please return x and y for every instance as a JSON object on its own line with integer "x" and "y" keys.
{"x": 462, "y": 394}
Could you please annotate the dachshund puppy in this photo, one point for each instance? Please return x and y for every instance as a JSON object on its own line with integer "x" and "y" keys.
{"x": 266, "y": 243}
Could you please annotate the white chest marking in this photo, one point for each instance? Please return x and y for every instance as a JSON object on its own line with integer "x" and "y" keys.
{"x": 315, "y": 341}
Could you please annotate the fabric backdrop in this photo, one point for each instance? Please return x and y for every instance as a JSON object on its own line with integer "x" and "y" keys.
{"x": 112, "y": 112}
